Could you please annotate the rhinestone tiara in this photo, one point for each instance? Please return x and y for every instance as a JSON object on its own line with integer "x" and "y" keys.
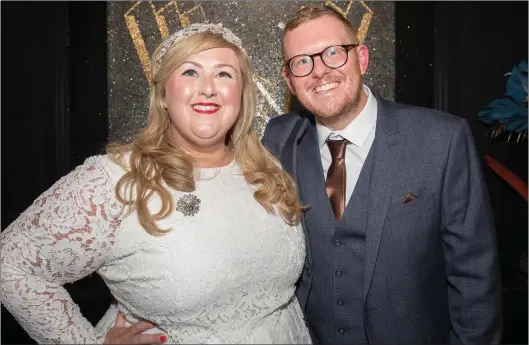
{"x": 197, "y": 28}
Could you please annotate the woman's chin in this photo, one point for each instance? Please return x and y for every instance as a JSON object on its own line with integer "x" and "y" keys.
{"x": 209, "y": 137}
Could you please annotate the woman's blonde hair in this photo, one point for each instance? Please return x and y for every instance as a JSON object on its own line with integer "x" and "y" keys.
{"x": 154, "y": 159}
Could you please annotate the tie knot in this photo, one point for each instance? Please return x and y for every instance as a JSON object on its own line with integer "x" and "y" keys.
{"x": 337, "y": 148}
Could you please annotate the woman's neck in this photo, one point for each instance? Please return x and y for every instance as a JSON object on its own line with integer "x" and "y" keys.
{"x": 212, "y": 158}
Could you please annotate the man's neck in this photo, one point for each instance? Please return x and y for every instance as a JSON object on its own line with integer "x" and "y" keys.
{"x": 341, "y": 121}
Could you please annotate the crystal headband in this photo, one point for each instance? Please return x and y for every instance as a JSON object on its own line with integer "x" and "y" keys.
{"x": 197, "y": 28}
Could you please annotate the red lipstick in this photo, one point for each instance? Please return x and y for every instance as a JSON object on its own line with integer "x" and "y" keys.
{"x": 205, "y": 108}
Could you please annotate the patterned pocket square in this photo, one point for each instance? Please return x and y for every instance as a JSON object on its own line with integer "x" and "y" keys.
{"x": 409, "y": 197}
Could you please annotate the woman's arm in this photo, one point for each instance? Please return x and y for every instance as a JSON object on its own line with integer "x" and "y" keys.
{"x": 65, "y": 235}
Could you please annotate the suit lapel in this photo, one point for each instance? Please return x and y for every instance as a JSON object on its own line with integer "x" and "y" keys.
{"x": 386, "y": 146}
{"x": 312, "y": 181}
{"x": 289, "y": 160}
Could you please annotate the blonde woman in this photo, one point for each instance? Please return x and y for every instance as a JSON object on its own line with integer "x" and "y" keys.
{"x": 194, "y": 226}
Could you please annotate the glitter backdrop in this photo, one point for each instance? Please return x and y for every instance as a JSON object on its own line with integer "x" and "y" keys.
{"x": 136, "y": 28}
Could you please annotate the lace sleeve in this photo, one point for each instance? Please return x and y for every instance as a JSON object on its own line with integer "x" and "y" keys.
{"x": 65, "y": 235}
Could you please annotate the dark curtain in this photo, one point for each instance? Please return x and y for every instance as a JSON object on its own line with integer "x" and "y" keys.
{"x": 54, "y": 114}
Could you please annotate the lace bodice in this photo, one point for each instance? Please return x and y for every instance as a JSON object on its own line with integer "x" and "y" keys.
{"x": 223, "y": 275}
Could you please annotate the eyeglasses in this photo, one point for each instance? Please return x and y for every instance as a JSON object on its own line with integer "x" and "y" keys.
{"x": 333, "y": 57}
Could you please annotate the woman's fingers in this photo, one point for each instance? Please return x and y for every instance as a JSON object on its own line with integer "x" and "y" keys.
{"x": 150, "y": 339}
{"x": 141, "y": 326}
{"x": 121, "y": 334}
{"x": 120, "y": 320}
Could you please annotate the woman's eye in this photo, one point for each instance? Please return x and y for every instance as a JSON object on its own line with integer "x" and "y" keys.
{"x": 190, "y": 72}
{"x": 224, "y": 74}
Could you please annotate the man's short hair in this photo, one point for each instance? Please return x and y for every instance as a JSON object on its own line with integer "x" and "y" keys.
{"x": 308, "y": 13}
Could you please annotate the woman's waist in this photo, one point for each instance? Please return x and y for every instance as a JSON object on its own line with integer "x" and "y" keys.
{"x": 229, "y": 312}
{"x": 238, "y": 325}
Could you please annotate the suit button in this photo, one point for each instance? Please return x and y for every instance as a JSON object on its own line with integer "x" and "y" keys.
{"x": 337, "y": 243}
{"x": 340, "y": 302}
{"x": 338, "y": 273}
{"x": 341, "y": 330}
{"x": 309, "y": 273}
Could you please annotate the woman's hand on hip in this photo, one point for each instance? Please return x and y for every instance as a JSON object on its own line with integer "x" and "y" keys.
{"x": 121, "y": 334}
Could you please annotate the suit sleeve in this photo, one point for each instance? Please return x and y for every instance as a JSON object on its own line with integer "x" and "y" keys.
{"x": 470, "y": 247}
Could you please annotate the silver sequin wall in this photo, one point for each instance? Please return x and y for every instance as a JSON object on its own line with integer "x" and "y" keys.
{"x": 136, "y": 28}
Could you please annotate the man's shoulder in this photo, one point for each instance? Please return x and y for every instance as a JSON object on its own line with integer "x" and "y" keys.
{"x": 281, "y": 126}
{"x": 284, "y": 121}
{"x": 424, "y": 129}
{"x": 279, "y": 129}
{"x": 414, "y": 113}
{"x": 425, "y": 117}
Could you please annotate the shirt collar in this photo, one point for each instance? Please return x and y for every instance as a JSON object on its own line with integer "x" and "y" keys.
{"x": 358, "y": 130}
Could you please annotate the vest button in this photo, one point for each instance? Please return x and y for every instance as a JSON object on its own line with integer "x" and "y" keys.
{"x": 338, "y": 273}
{"x": 341, "y": 330}
{"x": 340, "y": 302}
{"x": 337, "y": 243}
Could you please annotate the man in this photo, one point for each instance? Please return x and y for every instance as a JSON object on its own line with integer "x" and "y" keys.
{"x": 400, "y": 240}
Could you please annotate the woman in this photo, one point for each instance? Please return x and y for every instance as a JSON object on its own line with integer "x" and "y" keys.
{"x": 194, "y": 226}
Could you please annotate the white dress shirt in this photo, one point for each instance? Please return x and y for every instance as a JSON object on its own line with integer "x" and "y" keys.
{"x": 360, "y": 133}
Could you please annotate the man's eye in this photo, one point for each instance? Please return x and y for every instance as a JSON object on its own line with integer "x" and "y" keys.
{"x": 303, "y": 61}
{"x": 332, "y": 51}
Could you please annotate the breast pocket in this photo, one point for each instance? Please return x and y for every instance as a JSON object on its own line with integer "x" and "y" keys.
{"x": 423, "y": 204}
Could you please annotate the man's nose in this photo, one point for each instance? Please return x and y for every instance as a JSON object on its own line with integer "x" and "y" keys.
{"x": 320, "y": 69}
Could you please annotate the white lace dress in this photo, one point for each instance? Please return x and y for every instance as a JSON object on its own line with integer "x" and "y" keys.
{"x": 223, "y": 275}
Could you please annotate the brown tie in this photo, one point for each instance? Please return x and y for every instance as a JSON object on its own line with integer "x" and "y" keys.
{"x": 335, "y": 184}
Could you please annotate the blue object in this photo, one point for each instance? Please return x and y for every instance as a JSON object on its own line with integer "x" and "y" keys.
{"x": 510, "y": 111}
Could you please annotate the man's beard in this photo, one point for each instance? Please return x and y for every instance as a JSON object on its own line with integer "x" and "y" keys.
{"x": 333, "y": 107}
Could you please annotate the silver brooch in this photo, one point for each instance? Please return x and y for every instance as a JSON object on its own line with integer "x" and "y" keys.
{"x": 188, "y": 204}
